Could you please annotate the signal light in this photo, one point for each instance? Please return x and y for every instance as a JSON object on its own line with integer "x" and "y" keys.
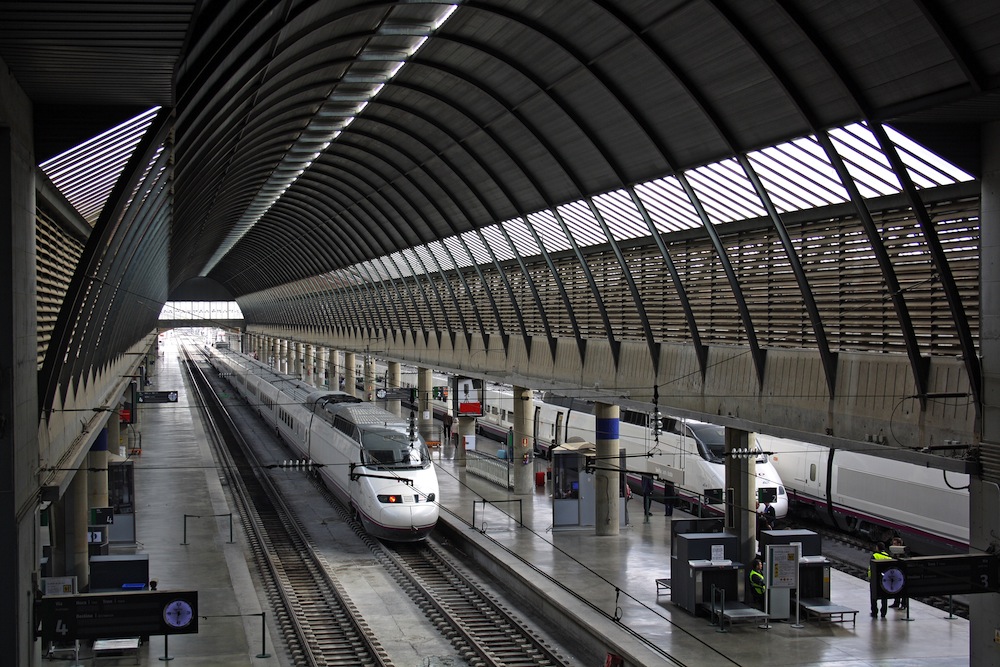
{"x": 390, "y": 499}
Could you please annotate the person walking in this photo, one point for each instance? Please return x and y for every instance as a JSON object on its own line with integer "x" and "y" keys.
{"x": 647, "y": 494}
{"x": 879, "y": 554}
{"x": 669, "y": 495}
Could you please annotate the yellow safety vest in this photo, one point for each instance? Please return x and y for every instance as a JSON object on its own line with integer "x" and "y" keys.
{"x": 878, "y": 555}
{"x": 757, "y": 581}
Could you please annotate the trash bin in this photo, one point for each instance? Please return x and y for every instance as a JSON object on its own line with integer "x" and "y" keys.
{"x": 539, "y": 479}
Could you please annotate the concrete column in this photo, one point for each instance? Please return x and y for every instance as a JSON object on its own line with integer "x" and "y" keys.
{"x": 321, "y": 354}
{"x": 97, "y": 460}
{"x": 333, "y": 368}
{"x": 350, "y": 374}
{"x": 275, "y": 360}
{"x": 289, "y": 357}
{"x": 308, "y": 364}
{"x": 425, "y": 413}
{"x": 520, "y": 451}
{"x": 393, "y": 379}
{"x": 741, "y": 514}
{"x": 607, "y": 473}
{"x": 984, "y": 493}
{"x": 75, "y": 503}
{"x": 465, "y": 426}
{"x": 369, "y": 369}
{"x": 298, "y": 365}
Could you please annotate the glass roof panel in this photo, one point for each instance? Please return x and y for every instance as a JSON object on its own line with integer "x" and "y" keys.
{"x": 524, "y": 242}
{"x": 621, "y": 215}
{"x": 867, "y": 164}
{"x": 925, "y": 168}
{"x": 477, "y": 247}
{"x": 460, "y": 254}
{"x": 725, "y": 192}
{"x": 87, "y": 173}
{"x": 548, "y": 230}
{"x": 582, "y": 224}
{"x": 498, "y": 244}
{"x": 441, "y": 255}
{"x": 668, "y": 205}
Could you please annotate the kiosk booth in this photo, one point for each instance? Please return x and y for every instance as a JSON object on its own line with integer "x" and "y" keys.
{"x": 574, "y": 492}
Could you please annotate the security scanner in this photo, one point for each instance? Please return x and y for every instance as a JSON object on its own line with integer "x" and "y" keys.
{"x": 812, "y": 587}
{"x": 704, "y": 564}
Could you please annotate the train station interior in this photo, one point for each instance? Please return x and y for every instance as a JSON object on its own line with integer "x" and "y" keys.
{"x": 757, "y": 219}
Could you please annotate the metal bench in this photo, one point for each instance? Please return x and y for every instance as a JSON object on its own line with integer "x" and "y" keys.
{"x": 822, "y": 610}
{"x": 662, "y": 586}
{"x": 737, "y": 612}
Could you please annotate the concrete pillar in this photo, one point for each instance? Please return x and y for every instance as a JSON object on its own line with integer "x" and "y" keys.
{"x": 350, "y": 374}
{"x": 425, "y": 413}
{"x": 369, "y": 370}
{"x": 115, "y": 434}
{"x": 333, "y": 368}
{"x": 298, "y": 367}
{"x": 741, "y": 513}
{"x": 393, "y": 379}
{"x": 77, "y": 556}
{"x": 289, "y": 357}
{"x": 607, "y": 475}
{"x": 309, "y": 364}
{"x": 984, "y": 493}
{"x": 321, "y": 355}
{"x": 275, "y": 361}
{"x": 520, "y": 451}
{"x": 466, "y": 426}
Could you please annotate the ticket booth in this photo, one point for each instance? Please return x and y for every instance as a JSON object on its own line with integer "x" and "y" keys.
{"x": 574, "y": 494}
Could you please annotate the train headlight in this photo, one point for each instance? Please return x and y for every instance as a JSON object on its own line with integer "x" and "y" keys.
{"x": 392, "y": 499}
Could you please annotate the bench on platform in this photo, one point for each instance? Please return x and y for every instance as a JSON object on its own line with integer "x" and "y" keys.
{"x": 737, "y": 612}
{"x": 662, "y": 586}
{"x": 116, "y": 648}
{"x": 822, "y": 610}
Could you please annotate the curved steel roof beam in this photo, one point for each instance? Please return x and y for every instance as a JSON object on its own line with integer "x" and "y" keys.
{"x": 701, "y": 351}
{"x": 917, "y": 363}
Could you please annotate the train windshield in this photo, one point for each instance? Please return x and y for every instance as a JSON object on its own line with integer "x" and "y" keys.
{"x": 711, "y": 440}
{"x": 390, "y": 449}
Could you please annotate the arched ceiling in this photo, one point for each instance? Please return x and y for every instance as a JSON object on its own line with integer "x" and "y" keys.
{"x": 520, "y": 168}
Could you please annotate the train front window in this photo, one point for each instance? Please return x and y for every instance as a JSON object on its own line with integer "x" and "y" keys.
{"x": 711, "y": 441}
{"x": 390, "y": 449}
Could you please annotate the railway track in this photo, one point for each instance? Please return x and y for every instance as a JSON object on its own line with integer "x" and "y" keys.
{"x": 482, "y": 630}
{"x": 317, "y": 622}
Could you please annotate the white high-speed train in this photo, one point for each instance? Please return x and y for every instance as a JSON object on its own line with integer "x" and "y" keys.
{"x": 374, "y": 462}
{"x": 875, "y": 497}
{"x": 687, "y": 453}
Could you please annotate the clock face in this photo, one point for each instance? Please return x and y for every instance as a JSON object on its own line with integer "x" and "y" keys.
{"x": 178, "y": 614}
{"x": 892, "y": 580}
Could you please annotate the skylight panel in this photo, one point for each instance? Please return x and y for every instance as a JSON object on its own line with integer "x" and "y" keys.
{"x": 476, "y": 246}
{"x": 582, "y": 224}
{"x": 524, "y": 242}
{"x": 498, "y": 244}
{"x": 441, "y": 255}
{"x": 621, "y": 216}
{"x": 86, "y": 174}
{"x": 792, "y": 186}
{"x": 726, "y": 195}
{"x": 938, "y": 170}
{"x": 668, "y": 205}
{"x": 551, "y": 234}
{"x": 460, "y": 254}
{"x": 866, "y": 164}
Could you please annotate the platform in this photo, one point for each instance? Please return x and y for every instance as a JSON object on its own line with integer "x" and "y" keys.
{"x": 607, "y": 578}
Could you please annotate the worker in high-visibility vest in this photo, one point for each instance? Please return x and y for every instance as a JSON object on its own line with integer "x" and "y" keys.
{"x": 880, "y": 554}
{"x": 757, "y": 584}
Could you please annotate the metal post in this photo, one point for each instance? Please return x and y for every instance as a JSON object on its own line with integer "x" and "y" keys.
{"x": 951, "y": 609}
{"x": 185, "y": 529}
{"x": 166, "y": 652}
{"x": 263, "y": 637}
{"x": 230, "y": 527}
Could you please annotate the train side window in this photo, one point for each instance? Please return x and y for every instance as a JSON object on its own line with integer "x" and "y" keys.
{"x": 812, "y": 472}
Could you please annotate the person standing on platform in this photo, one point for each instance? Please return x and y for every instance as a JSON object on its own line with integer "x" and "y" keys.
{"x": 757, "y": 584}
{"x": 898, "y": 550}
{"x": 879, "y": 554}
{"x": 647, "y": 494}
{"x": 627, "y": 492}
{"x": 668, "y": 498}
{"x": 771, "y": 515}
{"x": 446, "y": 421}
